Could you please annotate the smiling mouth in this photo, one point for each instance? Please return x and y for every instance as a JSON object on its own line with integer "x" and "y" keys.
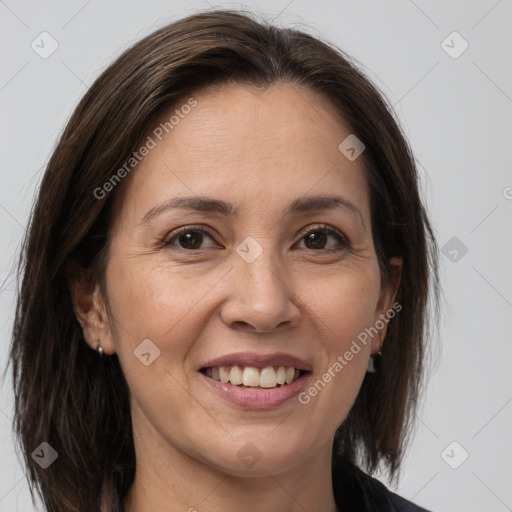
{"x": 251, "y": 377}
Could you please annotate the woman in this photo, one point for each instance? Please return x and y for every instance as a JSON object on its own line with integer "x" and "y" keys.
{"x": 225, "y": 283}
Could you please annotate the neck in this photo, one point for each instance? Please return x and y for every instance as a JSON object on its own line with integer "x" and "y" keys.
{"x": 166, "y": 477}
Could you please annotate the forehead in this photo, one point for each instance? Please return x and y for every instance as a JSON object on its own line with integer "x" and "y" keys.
{"x": 249, "y": 146}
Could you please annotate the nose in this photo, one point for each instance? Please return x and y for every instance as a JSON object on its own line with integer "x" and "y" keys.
{"x": 260, "y": 298}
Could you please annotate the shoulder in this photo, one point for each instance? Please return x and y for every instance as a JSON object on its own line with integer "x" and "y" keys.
{"x": 356, "y": 491}
{"x": 403, "y": 505}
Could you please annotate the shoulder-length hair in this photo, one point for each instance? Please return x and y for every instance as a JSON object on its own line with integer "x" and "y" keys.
{"x": 65, "y": 395}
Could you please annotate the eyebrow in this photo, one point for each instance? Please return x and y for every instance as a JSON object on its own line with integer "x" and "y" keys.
{"x": 211, "y": 205}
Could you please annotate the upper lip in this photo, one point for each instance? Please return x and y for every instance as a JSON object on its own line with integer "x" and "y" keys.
{"x": 258, "y": 360}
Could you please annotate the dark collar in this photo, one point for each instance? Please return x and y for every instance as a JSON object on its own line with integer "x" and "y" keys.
{"x": 355, "y": 491}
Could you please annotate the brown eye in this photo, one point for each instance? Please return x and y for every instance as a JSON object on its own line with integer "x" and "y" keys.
{"x": 318, "y": 238}
{"x": 188, "y": 239}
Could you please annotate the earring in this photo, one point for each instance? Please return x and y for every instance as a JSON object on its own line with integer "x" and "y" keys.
{"x": 372, "y": 366}
{"x": 99, "y": 349}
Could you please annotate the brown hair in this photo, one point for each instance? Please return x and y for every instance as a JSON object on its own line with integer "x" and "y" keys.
{"x": 65, "y": 394}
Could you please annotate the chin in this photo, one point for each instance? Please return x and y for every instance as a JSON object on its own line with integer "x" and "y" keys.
{"x": 257, "y": 457}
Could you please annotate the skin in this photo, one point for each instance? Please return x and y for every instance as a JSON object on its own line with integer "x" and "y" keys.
{"x": 258, "y": 150}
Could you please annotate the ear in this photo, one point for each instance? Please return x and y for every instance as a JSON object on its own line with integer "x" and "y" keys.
{"x": 90, "y": 308}
{"x": 386, "y": 309}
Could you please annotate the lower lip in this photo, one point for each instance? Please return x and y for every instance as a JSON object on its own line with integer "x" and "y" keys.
{"x": 257, "y": 398}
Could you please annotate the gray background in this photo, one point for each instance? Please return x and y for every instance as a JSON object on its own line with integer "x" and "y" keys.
{"x": 456, "y": 113}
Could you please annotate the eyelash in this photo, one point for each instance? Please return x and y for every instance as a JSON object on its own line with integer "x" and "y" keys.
{"x": 323, "y": 228}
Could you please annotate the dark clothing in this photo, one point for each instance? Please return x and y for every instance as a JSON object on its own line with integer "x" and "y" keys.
{"x": 355, "y": 491}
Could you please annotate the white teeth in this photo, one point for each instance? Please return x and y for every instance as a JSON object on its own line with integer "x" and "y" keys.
{"x": 235, "y": 376}
{"x": 223, "y": 374}
{"x": 253, "y": 377}
{"x": 268, "y": 377}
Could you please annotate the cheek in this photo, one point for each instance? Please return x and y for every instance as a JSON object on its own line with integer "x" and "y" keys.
{"x": 155, "y": 302}
{"x": 346, "y": 305}
{"x": 344, "y": 309}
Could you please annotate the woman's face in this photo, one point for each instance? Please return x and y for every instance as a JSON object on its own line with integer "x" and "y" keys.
{"x": 251, "y": 280}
